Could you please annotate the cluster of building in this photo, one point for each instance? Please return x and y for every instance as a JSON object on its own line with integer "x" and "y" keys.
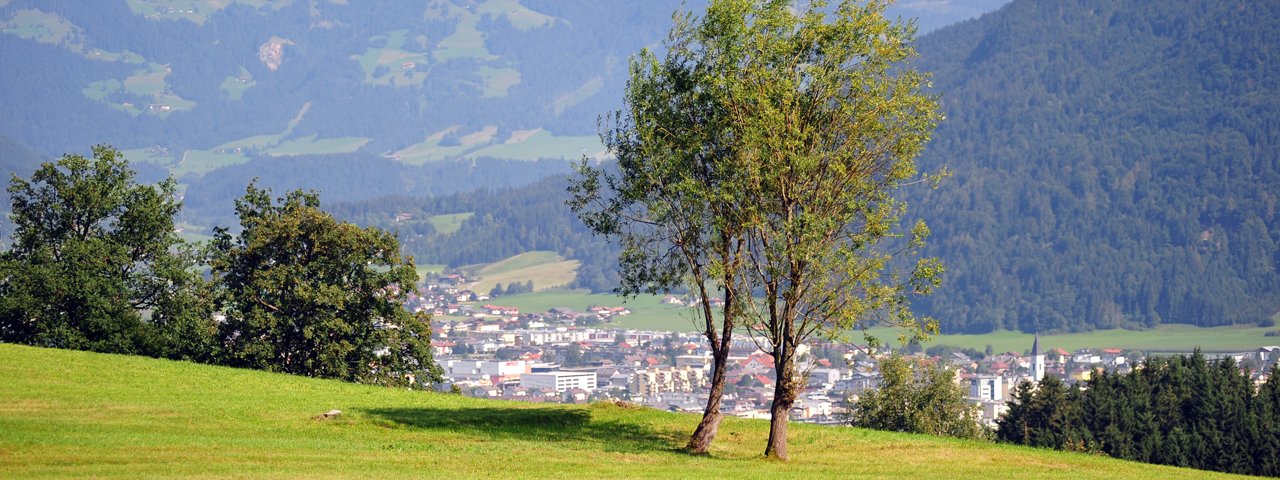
{"x": 499, "y": 352}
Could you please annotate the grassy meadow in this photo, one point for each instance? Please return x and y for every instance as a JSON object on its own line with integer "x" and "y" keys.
{"x": 66, "y": 414}
{"x": 547, "y": 270}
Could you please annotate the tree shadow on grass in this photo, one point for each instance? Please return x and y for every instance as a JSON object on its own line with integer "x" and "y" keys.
{"x": 534, "y": 424}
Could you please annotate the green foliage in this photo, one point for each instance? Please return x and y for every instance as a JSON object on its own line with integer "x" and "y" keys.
{"x": 308, "y": 295}
{"x": 920, "y": 397}
{"x": 94, "y": 254}
{"x": 1181, "y": 410}
{"x": 759, "y": 158}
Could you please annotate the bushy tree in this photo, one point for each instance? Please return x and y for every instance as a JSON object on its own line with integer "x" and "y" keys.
{"x": 919, "y": 397}
{"x": 95, "y": 263}
{"x": 828, "y": 118}
{"x": 755, "y": 163}
{"x": 305, "y": 294}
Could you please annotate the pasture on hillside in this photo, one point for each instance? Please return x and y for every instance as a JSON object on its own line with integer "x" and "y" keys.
{"x": 69, "y": 414}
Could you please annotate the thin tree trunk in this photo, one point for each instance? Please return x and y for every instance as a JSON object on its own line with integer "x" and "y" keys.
{"x": 700, "y": 442}
{"x": 784, "y": 397}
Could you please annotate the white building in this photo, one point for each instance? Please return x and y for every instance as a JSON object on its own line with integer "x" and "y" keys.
{"x": 669, "y": 379}
{"x": 457, "y": 368}
{"x": 987, "y": 387}
{"x": 559, "y": 381}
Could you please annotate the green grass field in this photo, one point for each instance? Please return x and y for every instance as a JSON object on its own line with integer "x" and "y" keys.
{"x": 195, "y": 11}
{"x": 428, "y": 270}
{"x": 1169, "y": 338}
{"x": 386, "y": 62}
{"x": 43, "y": 27}
{"x": 449, "y": 223}
{"x": 66, "y": 414}
{"x": 235, "y": 86}
{"x": 310, "y": 145}
{"x": 547, "y": 270}
{"x": 498, "y": 80}
{"x": 648, "y": 311}
{"x": 465, "y": 42}
{"x": 520, "y": 16}
{"x": 200, "y": 162}
{"x": 537, "y": 144}
{"x": 146, "y": 91}
{"x": 430, "y": 149}
{"x": 583, "y": 92}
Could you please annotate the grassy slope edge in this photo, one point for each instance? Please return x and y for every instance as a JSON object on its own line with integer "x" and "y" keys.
{"x": 77, "y": 414}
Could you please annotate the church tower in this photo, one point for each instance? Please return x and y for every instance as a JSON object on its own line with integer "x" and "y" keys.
{"x": 1037, "y": 360}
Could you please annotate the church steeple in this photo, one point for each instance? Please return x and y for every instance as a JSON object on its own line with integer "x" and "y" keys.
{"x": 1037, "y": 360}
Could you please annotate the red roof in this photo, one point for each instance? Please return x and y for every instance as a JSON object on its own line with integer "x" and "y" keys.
{"x": 760, "y": 358}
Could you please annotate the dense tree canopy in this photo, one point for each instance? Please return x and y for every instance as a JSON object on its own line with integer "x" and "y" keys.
{"x": 94, "y": 257}
{"x": 309, "y": 295}
{"x": 919, "y": 397}
{"x": 1183, "y": 410}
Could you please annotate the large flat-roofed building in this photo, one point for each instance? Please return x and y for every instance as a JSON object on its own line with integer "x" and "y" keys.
{"x": 559, "y": 381}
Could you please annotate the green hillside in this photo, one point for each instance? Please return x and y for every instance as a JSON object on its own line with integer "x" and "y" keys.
{"x": 67, "y": 414}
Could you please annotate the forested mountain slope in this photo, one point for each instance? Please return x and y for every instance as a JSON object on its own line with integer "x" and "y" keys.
{"x": 1116, "y": 164}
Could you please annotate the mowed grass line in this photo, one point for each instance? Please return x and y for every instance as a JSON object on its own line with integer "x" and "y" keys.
{"x": 67, "y": 414}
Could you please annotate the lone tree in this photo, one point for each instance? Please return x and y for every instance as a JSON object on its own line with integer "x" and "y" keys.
{"x": 759, "y": 158}
{"x": 829, "y": 118}
{"x": 673, "y": 202}
{"x": 308, "y": 295}
{"x": 95, "y": 263}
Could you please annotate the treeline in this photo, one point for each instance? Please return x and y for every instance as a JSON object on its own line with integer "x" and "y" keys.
{"x": 1114, "y": 166}
{"x": 95, "y": 265}
{"x": 1186, "y": 411}
{"x": 364, "y": 177}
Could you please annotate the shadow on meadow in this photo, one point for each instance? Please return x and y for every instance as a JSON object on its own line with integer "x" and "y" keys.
{"x": 536, "y": 424}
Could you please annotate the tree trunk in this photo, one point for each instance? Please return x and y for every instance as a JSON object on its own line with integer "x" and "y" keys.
{"x": 784, "y": 397}
{"x": 700, "y": 442}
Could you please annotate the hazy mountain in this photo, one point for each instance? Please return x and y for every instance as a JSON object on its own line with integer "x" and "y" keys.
{"x": 931, "y": 15}
{"x": 1115, "y": 162}
{"x": 202, "y": 85}
{"x": 1115, "y": 165}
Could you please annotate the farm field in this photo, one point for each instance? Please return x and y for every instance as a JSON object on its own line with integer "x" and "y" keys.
{"x": 68, "y": 414}
{"x": 547, "y": 270}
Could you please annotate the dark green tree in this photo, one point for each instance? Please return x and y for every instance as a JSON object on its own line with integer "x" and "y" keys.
{"x": 96, "y": 265}
{"x": 918, "y": 397}
{"x": 308, "y": 295}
